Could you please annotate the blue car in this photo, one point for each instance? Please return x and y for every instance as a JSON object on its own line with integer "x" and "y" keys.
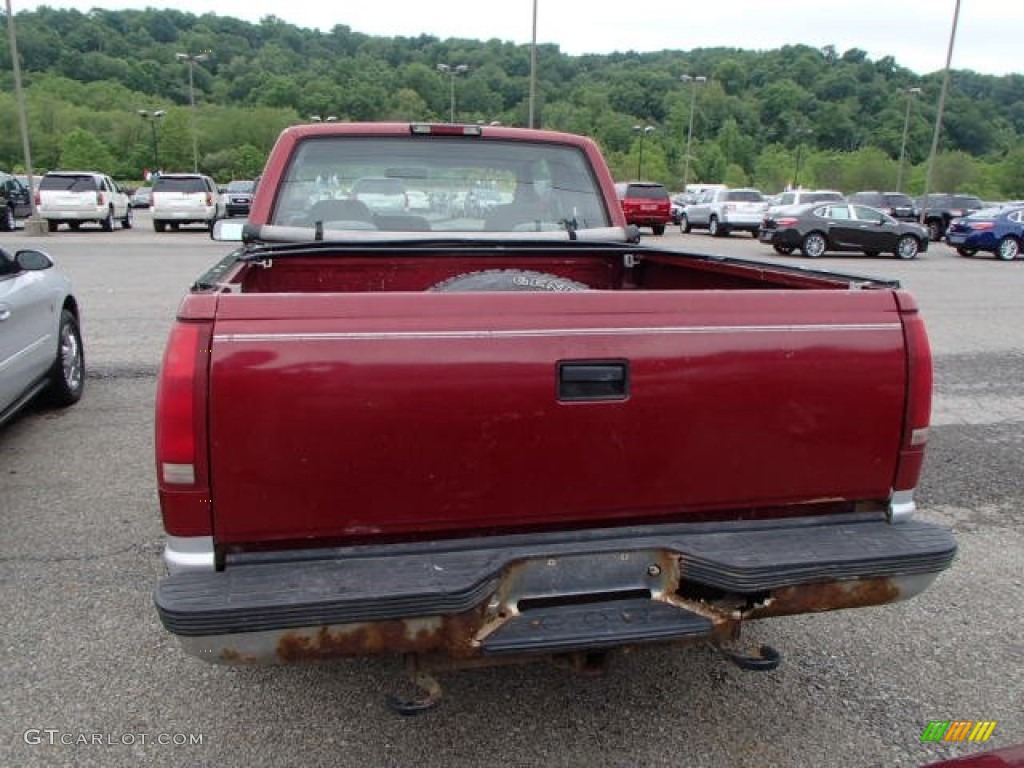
{"x": 993, "y": 230}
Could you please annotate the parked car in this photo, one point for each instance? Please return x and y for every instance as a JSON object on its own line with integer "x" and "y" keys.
{"x": 994, "y": 230}
{"x": 142, "y": 197}
{"x": 645, "y": 203}
{"x": 723, "y": 210}
{"x": 238, "y": 197}
{"x": 185, "y": 198}
{"x": 941, "y": 208}
{"x": 15, "y": 200}
{"x": 895, "y": 204}
{"x": 41, "y": 349}
{"x": 678, "y": 204}
{"x": 78, "y": 197}
{"x": 802, "y": 196}
{"x": 816, "y": 228}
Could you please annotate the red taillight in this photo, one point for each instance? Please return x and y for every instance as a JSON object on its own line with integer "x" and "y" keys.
{"x": 982, "y": 226}
{"x": 181, "y": 462}
{"x": 919, "y": 395}
{"x": 39, "y": 199}
{"x": 99, "y": 198}
{"x": 209, "y": 198}
{"x": 786, "y": 222}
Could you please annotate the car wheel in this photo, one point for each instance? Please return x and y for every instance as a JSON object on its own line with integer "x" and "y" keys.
{"x": 126, "y": 222}
{"x": 659, "y": 229}
{"x": 814, "y": 245}
{"x": 783, "y": 250}
{"x": 74, "y": 225}
{"x": 966, "y": 252}
{"x": 158, "y": 225}
{"x": 684, "y": 225}
{"x": 107, "y": 224}
{"x": 67, "y": 374}
{"x": 52, "y": 225}
{"x": 907, "y": 247}
{"x": 935, "y": 230}
{"x": 713, "y": 229}
{"x": 1008, "y": 248}
{"x": 7, "y": 219}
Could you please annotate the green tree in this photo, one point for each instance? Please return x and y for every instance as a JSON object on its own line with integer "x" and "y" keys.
{"x": 82, "y": 150}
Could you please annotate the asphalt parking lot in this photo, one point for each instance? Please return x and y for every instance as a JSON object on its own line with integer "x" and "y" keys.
{"x": 85, "y": 659}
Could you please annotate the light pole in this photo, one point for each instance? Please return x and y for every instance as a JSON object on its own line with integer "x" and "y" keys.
{"x": 533, "y": 64}
{"x": 192, "y": 58}
{"x": 152, "y": 118}
{"x": 452, "y": 70}
{"x": 903, "y": 143}
{"x": 689, "y": 132}
{"x": 800, "y": 133}
{"x": 938, "y": 115}
{"x": 33, "y": 224}
{"x": 643, "y": 130}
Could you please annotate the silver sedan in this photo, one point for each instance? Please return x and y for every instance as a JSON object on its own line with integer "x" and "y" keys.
{"x": 40, "y": 341}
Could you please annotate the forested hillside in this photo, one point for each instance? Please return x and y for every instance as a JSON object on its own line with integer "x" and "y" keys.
{"x": 822, "y": 118}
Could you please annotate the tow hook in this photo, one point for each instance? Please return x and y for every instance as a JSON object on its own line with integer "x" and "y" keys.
{"x": 761, "y": 658}
{"x": 426, "y": 695}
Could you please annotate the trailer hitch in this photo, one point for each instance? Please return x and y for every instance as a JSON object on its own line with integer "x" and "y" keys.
{"x": 760, "y": 658}
{"x": 426, "y": 690}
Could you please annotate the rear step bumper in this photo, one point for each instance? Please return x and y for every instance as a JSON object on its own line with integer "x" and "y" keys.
{"x": 546, "y": 592}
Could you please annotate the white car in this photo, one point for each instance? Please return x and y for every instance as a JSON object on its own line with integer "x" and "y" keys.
{"x": 185, "y": 198}
{"x": 40, "y": 342}
{"x": 77, "y": 197}
{"x": 724, "y": 210}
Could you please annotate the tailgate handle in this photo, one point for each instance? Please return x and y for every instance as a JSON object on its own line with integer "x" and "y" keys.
{"x": 593, "y": 380}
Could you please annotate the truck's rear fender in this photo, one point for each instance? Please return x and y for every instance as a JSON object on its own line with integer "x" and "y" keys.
{"x": 182, "y": 460}
{"x": 918, "y": 409}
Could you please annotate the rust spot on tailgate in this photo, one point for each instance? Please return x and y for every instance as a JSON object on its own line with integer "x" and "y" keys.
{"x": 452, "y": 635}
{"x": 826, "y": 596}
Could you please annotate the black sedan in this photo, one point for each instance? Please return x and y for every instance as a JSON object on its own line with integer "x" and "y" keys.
{"x": 820, "y": 227}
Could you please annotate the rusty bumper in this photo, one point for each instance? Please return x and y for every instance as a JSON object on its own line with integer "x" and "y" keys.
{"x": 491, "y": 599}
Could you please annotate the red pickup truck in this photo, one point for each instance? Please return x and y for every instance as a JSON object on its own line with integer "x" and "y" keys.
{"x": 517, "y": 433}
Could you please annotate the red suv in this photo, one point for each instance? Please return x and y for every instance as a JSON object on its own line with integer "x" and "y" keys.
{"x": 645, "y": 203}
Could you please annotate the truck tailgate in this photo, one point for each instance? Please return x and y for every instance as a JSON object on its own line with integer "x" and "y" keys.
{"x": 341, "y": 416}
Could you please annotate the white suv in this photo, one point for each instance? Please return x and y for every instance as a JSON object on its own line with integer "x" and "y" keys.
{"x": 185, "y": 198}
{"x": 720, "y": 211}
{"x": 73, "y": 197}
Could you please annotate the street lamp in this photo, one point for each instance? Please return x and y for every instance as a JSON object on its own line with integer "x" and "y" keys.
{"x": 800, "y": 133}
{"x": 192, "y": 58}
{"x": 452, "y": 70}
{"x": 938, "y": 114}
{"x": 33, "y": 224}
{"x": 903, "y": 144}
{"x": 153, "y": 117}
{"x": 643, "y": 130}
{"x": 689, "y": 133}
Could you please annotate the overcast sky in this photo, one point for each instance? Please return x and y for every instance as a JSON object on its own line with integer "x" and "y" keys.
{"x": 914, "y": 32}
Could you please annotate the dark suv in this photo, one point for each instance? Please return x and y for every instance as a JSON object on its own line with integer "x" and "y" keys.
{"x": 896, "y": 204}
{"x": 646, "y": 204}
{"x": 14, "y": 198}
{"x": 941, "y": 208}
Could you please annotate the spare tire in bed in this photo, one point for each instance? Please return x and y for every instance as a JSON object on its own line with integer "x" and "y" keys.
{"x": 508, "y": 280}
